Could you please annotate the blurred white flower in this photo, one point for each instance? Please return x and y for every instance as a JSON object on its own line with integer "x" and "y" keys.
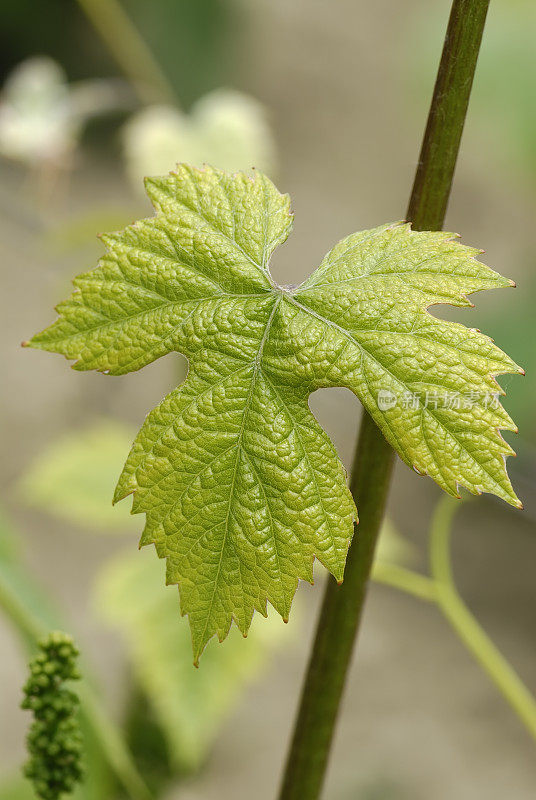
{"x": 225, "y": 128}
{"x": 42, "y": 116}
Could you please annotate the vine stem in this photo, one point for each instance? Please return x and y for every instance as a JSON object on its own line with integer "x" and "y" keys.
{"x": 129, "y": 50}
{"x": 342, "y": 606}
{"x": 465, "y": 624}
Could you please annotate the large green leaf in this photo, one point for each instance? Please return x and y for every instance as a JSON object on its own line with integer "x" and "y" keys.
{"x": 241, "y": 487}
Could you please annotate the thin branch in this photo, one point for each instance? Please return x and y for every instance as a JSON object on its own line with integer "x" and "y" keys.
{"x": 406, "y": 580}
{"x": 130, "y": 50}
{"x": 466, "y": 625}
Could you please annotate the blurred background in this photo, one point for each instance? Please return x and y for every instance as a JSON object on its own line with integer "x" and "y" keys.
{"x": 331, "y": 100}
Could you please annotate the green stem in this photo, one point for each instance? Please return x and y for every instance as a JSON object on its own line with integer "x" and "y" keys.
{"x": 467, "y": 627}
{"x": 408, "y": 581}
{"x": 27, "y": 626}
{"x": 129, "y": 50}
{"x": 105, "y": 731}
{"x": 369, "y": 483}
{"x": 113, "y": 746}
{"x": 441, "y": 141}
{"x": 338, "y": 623}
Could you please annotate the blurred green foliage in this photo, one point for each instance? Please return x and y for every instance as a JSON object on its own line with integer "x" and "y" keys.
{"x": 180, "y": 33}
{"x": 16, "y": 788}
{"x": 203, "y": 33}
{"x": 190, "y": 705}
{"x": 74, "y": 478}
{"x": 517, "y": 336}
{"x": 226, "y": 128}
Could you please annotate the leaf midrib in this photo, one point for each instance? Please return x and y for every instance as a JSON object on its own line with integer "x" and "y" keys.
{"x": 256, "y": 369}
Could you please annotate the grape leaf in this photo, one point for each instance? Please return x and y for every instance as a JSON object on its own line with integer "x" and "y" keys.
{"x": 241, "y": 487}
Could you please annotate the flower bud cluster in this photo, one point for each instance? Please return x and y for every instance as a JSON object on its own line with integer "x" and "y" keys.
{"x": 54, "y": 740}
